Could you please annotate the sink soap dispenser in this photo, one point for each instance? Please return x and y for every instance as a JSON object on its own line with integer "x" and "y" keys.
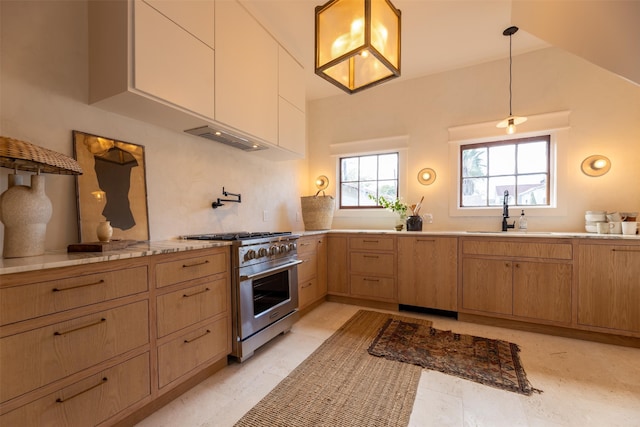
{"x": 522, "y": 222}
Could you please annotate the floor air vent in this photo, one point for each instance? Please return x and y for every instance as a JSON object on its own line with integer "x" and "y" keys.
{"x": 226, "y": 138}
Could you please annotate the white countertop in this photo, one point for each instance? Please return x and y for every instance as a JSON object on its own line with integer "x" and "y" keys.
{"x": 63, "y": 259}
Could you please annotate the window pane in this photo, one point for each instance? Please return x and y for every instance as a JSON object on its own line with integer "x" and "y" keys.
{"x": 366, "y": 188}
{"x": 349, "y": 194}
{"x": 474, "y": 192}
{"x": 505, "y": 165}
{"x": 474, "y": 162}
{"x": 502, "y": 160}
{"x": 497, "y": 187}
{"x": 371, "y": 175}
{"x": 532, "y": 157}
{"x": 388, "y": 189}
{"x": 349, "y": 169}
{"x": 532, "y": 190}
{"x": 368, "y": 168}
{"x": 388, "y": 166}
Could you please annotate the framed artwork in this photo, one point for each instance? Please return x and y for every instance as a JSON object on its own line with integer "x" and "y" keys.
{"x": 111, "y": 188}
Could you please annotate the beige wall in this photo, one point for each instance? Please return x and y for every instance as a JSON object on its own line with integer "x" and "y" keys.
{"x": 44, "y": 92}
{"x": 604, "y": 119}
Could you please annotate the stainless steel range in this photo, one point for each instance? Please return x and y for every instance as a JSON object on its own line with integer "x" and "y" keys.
{"x": 264, "y": 286}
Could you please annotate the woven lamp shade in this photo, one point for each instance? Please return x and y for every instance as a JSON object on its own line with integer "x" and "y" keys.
{"x": 22, "y": 155}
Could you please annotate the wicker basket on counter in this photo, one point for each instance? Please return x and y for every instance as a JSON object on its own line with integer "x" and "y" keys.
{"x": 317, "y": 212}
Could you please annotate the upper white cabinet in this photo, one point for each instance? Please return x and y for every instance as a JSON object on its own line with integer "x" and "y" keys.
{"x": 291, "y": 104}
{"x": 194, "y": 16}
{"x": 184, "y": 64}
{"x": 246, "y": 73}
{"x": 152, "y": 67}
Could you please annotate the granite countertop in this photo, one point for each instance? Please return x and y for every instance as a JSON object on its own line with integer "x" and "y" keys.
{"x": 62, "y": 258}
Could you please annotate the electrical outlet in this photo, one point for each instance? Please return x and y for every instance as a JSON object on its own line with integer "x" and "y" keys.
{"x": 298, "y": 216}
{"x": 265, "y": 216}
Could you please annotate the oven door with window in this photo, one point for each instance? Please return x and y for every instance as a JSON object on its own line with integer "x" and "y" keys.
{"x": 266, "y": 297}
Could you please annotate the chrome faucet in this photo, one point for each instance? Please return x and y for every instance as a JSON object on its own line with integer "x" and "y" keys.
{"x": 505, "y": 212}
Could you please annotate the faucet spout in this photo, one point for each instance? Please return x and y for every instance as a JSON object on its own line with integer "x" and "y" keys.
{"x": 505, "y": 212}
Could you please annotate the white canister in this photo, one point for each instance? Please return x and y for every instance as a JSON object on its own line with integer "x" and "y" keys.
{"x": 629, "y": 228}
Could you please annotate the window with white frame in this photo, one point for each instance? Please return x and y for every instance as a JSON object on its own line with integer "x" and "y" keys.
{"x": 519, "y": 166}
{"x": 362, "y": 176}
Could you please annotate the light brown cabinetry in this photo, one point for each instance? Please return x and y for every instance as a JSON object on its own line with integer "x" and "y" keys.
{"x": 70, "y": 339}
{"x": 96, "y": 343}
{"x": 428, "y": 272}
{"x": 193, "y": 312}
{"x": 609, "y": 287}
{"x": 312, "y": 272}
{"x": 517, "y": 279}
{"x": 363, "y": 267}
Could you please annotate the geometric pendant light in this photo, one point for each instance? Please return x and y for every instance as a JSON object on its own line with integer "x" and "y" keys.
{"x": 510, "y": 122}
{"x": 357, "y": 43}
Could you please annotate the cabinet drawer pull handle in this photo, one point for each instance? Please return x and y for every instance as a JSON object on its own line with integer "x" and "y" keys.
{"x": 370, "y": 256}
{"x": 195, "y": 264}
{"x": 102, "y": 381}
{"x": 625, "y": 250}
{"x": 426, "y": 240}
{"x": 196, "y": 293}
{"x": 197, "y": 338}
{"x": 370, "y": 241}
{"x": 305, "y": 244}
{"x": 56, "y": 333}
{"x": 78, "y": 286}
{"x": 306, "y": 286}
{"x": 517, "y": 265}
{"x": 366, "y": 279}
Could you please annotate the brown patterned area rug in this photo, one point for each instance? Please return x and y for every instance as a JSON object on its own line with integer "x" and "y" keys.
{"x": 491, "y": 362}
{"x": 341, "y": 384}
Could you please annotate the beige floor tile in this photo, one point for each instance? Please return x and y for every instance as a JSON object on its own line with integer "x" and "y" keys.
{"x": 583, "y": 383}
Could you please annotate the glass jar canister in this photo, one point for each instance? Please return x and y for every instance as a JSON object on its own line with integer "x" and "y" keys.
{"x": 414, "y": 223}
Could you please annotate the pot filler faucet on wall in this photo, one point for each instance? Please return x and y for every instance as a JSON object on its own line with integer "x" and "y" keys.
{"x": 505, "y": 212}
{"x": 225, "y": 193}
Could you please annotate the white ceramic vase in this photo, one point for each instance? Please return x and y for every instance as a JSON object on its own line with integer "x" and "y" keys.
{"x": 25, "y": 212}
{"x": 105, "y": 231}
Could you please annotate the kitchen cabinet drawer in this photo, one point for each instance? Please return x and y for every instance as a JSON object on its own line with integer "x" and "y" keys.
{"x": 89, "y": 401}
{"x": 372, "y": 243}
{"x": 307, "y": 245}
{"x": 34, "y": 358}
{"x": 307, "y": 292}
{"x": 517, "y": 249}
{"x": 38, "y": 299}
{"x": 185, "y": 307}
{"x": 373, "y": 287}
{"x": 179, "y": 356}
{"x": 372, "y": 263}
{"x": 309, "y": 267}
{"x": 189, "y": 268}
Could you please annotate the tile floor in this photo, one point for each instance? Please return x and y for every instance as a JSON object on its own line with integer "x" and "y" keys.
{"x": 584, "y": 383}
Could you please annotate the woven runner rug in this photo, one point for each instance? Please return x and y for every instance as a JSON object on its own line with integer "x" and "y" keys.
{"x": 491, "y": 362}
{"x": 341, "y": 384}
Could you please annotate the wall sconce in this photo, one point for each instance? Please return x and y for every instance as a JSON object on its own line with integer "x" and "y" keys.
{"x": 26, "y": 211}
{"x": 357, "y": 43}
{"x": 322, "y": 183}
{"x": 596, "y": 165}
{"x": 426, "y": 176}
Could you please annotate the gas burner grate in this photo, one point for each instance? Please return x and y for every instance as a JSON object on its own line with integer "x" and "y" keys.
{"x": 243, "y": 235}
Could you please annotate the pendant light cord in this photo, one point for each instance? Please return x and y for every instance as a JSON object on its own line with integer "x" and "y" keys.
{"x": 510, "y": 76}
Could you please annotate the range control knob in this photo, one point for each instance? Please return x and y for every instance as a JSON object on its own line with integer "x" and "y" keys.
{"x": 262, "y": 252}
{"x": 284, "y": 249}
{"x": 274, "y": 250}
{"x": 251, "y": 254}
{"x": 292, "y": 246}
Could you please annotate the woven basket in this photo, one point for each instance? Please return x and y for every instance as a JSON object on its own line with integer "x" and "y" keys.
{"x": 317, "y": 212}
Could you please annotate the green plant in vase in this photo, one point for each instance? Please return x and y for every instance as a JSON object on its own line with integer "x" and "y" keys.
{"x": 395, "y": 205}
